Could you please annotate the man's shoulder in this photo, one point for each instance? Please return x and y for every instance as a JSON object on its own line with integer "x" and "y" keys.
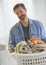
{"x": 15, "y": 26}
{"x": 34, "y": 21}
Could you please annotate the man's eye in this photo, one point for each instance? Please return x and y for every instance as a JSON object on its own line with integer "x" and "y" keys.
{"x": 21, "y": 11}
{"x": 17, "y": 13}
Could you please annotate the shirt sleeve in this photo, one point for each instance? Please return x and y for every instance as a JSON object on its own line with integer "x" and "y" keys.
{"x": 42, "y": 32}
{"x": 11, "y": 39}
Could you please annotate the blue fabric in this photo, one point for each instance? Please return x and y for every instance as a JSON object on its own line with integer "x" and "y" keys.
{"x": 35, "y": 29}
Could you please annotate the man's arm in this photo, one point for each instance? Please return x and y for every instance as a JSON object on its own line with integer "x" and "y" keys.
{"x": 42, "y": 33}
{"x": 11, "y": 42}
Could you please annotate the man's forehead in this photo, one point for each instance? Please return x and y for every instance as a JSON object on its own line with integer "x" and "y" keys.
{"x": 19, "y": 8}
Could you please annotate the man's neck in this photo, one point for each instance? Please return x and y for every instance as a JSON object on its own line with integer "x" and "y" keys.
{"x": 25, "y": 22}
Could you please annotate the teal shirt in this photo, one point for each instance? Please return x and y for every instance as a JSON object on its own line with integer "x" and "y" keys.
{"x": 35, "y": 29}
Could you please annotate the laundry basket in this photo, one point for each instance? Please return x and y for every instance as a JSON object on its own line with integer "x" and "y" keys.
{"x": 30, "y": 59}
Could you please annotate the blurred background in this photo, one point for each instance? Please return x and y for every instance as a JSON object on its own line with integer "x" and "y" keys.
{"x": 36, "y": 9}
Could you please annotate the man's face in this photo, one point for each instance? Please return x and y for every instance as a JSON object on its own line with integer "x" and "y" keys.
{"x": 21, "y": 13}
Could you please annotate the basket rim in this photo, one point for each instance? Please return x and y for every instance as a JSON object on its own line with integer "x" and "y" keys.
{"x": 32, "y": 54}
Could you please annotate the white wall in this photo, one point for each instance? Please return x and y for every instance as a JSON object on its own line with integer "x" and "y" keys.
{"x": 36, "y": 9}
{"x": 40, "y": 11}
{"x": 2, "y": 25}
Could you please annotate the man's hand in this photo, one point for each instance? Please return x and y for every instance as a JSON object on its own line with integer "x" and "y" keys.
{"x": 11, "y": 49}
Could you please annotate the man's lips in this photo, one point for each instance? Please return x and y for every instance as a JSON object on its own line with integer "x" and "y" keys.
{"x": 21, "y": 16}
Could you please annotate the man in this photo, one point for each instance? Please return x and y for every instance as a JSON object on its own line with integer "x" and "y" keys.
{"x": 25, "y": 28}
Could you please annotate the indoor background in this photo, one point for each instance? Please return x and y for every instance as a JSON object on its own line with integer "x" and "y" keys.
{"x": 36, "y": 9}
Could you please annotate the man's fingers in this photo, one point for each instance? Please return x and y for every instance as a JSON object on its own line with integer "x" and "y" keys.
{"x": 10, "y": 49}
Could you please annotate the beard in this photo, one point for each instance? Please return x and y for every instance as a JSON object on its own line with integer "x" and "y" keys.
{"x": 22, "y": 17}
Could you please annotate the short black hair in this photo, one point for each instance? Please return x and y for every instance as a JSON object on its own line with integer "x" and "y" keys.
{"x": 19, "y": 5}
